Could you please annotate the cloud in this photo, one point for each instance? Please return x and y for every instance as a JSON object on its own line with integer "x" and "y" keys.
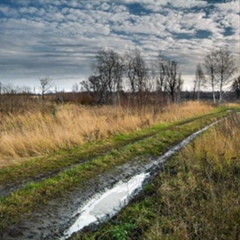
{"x": 60, "y": 38}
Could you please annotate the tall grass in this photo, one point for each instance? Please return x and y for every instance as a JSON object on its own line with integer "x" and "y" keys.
{"x": 198, "y": 196}
{"x": 39, "y": 132}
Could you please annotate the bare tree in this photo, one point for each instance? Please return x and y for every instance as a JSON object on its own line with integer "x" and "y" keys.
{"x": 200, "y": 79}
{"x": 130, "y": 70}
{"x": 194, "y": 89}
{"x": 8, "y": 89}
{"x": 236, "y": 86}
{"x": 137, "y": 70}
{"x": 141, "y": 71}
{"x": 94, "y": 86}
{"x": 151, "y": 84}
{"x": 118, "y": 73}
{"x": 75, "y": 87}
{"x": 225, "y": 69}
{"x": 22, "y": 89}
{"x": 172, "y": 79}
{"x": 161, "y": 63}
{"x": 45, "y": 84}
{"x": 168, "y": 78}
{"x": 210, "y": 65}
{"x": 106, "y": 81}
{"x": 219, "y": 66}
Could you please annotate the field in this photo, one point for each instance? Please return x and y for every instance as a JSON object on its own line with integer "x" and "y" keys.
{"x": 43, "y": 130}
{"x": 52, "y": 151}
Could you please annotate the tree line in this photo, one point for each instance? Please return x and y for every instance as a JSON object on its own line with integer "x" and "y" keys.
{"x": 113, "y": 72}
{"x": 217, "y": 70}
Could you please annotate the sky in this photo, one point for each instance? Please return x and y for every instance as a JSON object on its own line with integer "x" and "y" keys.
{"x": 59, "y": 38}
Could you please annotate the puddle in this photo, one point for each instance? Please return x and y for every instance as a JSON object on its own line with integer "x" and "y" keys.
{"x": 107, "y": 204}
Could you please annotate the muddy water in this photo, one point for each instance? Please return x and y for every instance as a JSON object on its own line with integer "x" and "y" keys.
{"x": 107, "y": 204}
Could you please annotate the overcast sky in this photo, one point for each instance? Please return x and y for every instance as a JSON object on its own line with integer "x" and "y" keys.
{"x": 59, "y": 38}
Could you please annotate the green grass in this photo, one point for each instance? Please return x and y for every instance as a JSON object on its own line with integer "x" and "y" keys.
{"x": 153, "y": 142}
{"x": 196, "y": 196}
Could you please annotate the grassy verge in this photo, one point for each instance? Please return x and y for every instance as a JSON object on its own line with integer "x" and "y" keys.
{"x": 37, "y": 132}
{"x": 54, "y": 163}
{"x": 21, "y": 203}
{"x": 195, "y": 197}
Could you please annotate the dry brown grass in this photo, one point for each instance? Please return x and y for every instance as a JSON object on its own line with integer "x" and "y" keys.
{"x": 36, "y": 132}
{"x": 199, "y": 193}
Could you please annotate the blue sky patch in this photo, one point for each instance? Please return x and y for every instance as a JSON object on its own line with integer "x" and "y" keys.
{"x": 183, "y": 36}
{"x": 228, "y": 31}
{"x": 203, "y": 34}
{"x": 138, "y": 9}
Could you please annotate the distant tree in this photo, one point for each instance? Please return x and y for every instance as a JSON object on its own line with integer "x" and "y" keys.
{"x": 75, "y": 87}
{"x": 118, "y": 73}
{"x": 130, "y": 71}
{"x": 45, "y": 84}
{"x": 22, "y": 89}
{"x": 200, "y": 79}
{"x": 95, "y": 87}
{"x": 152, "y": 83}
{"x": 210, "y": 65}
{"x": 156, "y": 81}
{"x": 8, "y": 89}
{"x": 225, "y": 69}
{"x": 236, "y": 86}
{"x": 172, "y": 79}
{"x": 219, "y": 66}
{"x": 161, "y": 79}
{"x": 136, "y": 70}
{"x": 194, "y": 89}
{"x": 107, "y": 79}
{"x": 141, "y": 71}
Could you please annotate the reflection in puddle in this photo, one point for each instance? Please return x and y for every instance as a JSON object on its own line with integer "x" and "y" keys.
{"x": 107, "y": 204}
